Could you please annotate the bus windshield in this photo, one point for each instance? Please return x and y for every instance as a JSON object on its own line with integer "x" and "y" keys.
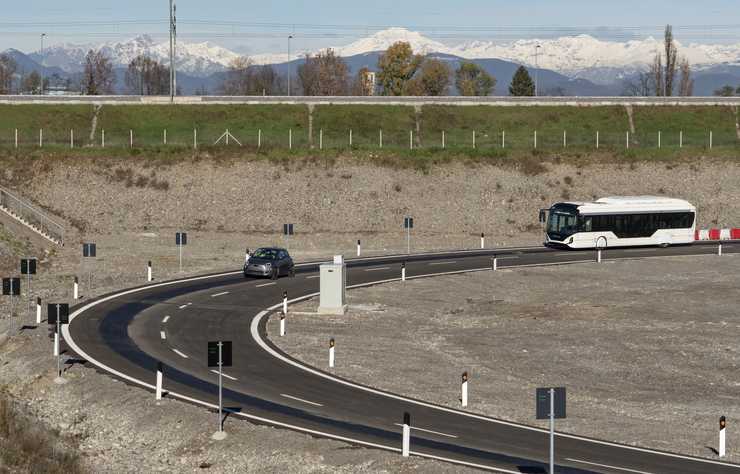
{"x": 562, "y": 223}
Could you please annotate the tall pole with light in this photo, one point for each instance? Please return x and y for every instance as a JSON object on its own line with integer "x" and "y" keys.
{"x": 42, "y": 62}
{"x": 290, "y": 37}
{"x": 536, "y": 69}
{"x": 173, "y": 46}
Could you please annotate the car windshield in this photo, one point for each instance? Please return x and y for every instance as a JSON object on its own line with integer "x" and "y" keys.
{"x": 267, "y": 254}
{"x": 562, "y": 223}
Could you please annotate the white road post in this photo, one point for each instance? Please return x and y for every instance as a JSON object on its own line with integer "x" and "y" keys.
{"x": 403, "y": 271}
{"x": 627, "y": 140}
{"x": 597, "y": 139}
{"x": 406, "y": 437}
{"x": 76, "y": 290}
{"x": 719, "y": 249}
{"x": 56, "y": 344}
{"x": 359, "y": 248}
{"x": 494, "y": 265}
{"x": 227, "y": 135}
{"x": 598, "y": 256}
{"x": 711, "y": 139}
{"x": 565, "y": 139}
{"x": 149, "y": 271}
{"x": 285, "y": 302}
{"x": 482, "y": 240}
{"x": 158, "y": 395}
{"x": 722, "y": 425}
{"x": 331, "y": 353}
{"x": 658, "y": 138}
{"x": 464, "y": 390}
{"x": 38, "y": 310}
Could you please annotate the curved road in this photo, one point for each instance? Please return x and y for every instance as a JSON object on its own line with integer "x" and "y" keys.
{"x": 127, "y": 333}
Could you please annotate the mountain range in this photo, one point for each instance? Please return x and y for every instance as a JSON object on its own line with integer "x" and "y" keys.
{"x": 573, "y": 65}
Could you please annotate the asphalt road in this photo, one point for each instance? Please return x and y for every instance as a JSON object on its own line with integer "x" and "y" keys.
{"x": 129, "y": 332}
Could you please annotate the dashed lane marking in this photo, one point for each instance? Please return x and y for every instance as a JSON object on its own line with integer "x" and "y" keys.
{"x": 183, "y": 306}
{"x": 162, "y": 335}
{"x": 377, "y": 269}
{"x": 301, "y": 400}
{"x": 451, "y": 262}
{"x": 607, "y": 466}
{"x": 166, "y": 318}
{"x": 224, "y": 375}
{"x": 266, "y": 284}
{"x": 184, "y": 356}
{"x": 428, "y": 431}
{"x": 220, "y": 294}
{"x": 312, "y": 276}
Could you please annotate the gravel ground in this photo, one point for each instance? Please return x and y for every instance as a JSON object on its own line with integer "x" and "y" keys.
{"x": 644, "y": 347}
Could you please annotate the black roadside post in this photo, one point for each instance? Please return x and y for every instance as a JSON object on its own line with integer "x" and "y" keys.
{"x": 12, "y": 287}
{"x": 408, "y": 224}
{"x": 181, "y": 239}
{"x": 288, "y": 230}
{"x": 219, "y": 355}
{"x": 28, "y": 268}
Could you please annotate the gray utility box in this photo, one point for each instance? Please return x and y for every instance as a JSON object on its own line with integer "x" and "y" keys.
{"x": 333, "y": 299}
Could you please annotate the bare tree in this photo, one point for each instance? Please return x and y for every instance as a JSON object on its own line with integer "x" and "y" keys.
{"x": 146, "y": 76}
{"x": 8, "y": 68}
{"x": 656, "y": 71}
{"x": 642, "y": 85}
{"x": 324, "y": 74}
{"x": 31, "y": 84}
{"x": 98, "y": 76}
{"x": 237, "y": 81}
{"x": 686, "y": 86}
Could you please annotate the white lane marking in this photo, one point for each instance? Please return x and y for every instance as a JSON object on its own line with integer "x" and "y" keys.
{"x": 185, "y": 305}
{"x": 223, "y": 374}
{"x": 312, "y": 276}
{"x": 220, "y": 294}
{"x": 376, "y": 269}
{"x": 184, "y": 356}
{"x": 266, "y": 284}
{"x": 166, "y": 318}
{"x": 443, "y": 263}
{"x": 508, "y": 257}
{"x": 301, "y": 400}
{"x": 428, "y": 431}
{"x": 607, "y": 466}
{"x": 162, "y": 335}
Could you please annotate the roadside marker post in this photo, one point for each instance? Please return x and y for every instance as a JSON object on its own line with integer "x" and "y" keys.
{"x": 288, "y": 230}
{"x": 76, "y": 289}
{"x": 38, "y": 310}
{"x": 403, "y": 271}
{"x": 158, "y": 394}
{"x": 149, "y": 271}
{"x": 58, "y": 314}
{"x": 597, "y": 139}
{"x": 408, "y": 224}
{"x": 550, "y": 404}
{"x": 482, "y": 240}
{"x": 598, "y": 256}
{"x": 219, "y": 355}
{"x": 12, "y": 287}
{"x": 285, "y": 303}
{"x": 282, "y": 325}
{"x": 406, "y": 437}
{"x": 331, "y": 353}
{"x": 359, "y": 248}
{"x": 494, "y": 265}
{"x": 464, "y": 390}
{"x": 181, "y": 239}
{"x": 28, "y": 268}
{"x": 719, "y": 249}
{"x": 722, "y": 426}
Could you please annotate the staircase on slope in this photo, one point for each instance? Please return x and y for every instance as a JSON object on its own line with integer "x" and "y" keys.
{"x": 31, "y": 217}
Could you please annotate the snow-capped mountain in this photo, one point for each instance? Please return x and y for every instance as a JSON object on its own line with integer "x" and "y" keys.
{"x": 581, "y": 56}
{"x": 197, "y": 59}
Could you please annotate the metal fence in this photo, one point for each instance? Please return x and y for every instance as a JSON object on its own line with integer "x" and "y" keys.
{"x": 31, "y": 216}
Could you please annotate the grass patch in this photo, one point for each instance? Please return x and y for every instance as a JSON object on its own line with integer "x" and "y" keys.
{"x": 26, "y": 446}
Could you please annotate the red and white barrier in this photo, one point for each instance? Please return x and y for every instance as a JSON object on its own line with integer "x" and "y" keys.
{"x": 717, "y": 234}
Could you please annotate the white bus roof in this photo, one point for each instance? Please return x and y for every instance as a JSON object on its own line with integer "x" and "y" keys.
{"x": 615, "y": 204}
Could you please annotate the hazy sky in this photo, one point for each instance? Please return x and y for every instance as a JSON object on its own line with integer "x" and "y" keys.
{"x": 254, "y": 27}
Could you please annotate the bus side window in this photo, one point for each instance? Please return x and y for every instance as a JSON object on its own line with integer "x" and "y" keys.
{"x": 587, "y": 224}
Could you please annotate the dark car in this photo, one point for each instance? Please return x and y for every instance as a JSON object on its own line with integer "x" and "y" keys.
{"x": 269, "y": 261}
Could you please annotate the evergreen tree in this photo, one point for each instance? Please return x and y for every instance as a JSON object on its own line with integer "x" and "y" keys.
{"x": 521, "y": 84}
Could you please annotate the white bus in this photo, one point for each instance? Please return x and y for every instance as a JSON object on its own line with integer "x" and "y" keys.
{"x": 619, "y": 222}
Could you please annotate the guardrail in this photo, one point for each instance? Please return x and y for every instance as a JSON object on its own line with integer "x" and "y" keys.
{"x": 375, "y": 100}
{"x": 31, "y": 216}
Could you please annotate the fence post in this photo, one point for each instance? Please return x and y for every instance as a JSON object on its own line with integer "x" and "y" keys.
{"x": 131, "y": 138}
{"x": 41, "y": 137}
{"x": 72, "y": 138}
{"x": 259, "y": 138}
{"x": 195, "y": 138}
{"x": 473, "y": 138}
{"x": 628, "y": 140}
{"x": 16, "y": 138}
{"x": 164, "y": 137}
{"x": 102, "y": 138}
{"x": 565, "y": 139}
{"x": 350, "y": 137}
{"x": 680, "y": 139}
{"x": 381, "y": 138}
{"x": 535, "y": 139}
{"x": 597, "y": 139}
{"x": 290, "y": 139}
{"x": 443, "y": 139}
{"x": 411, "y": 139}
{"x": 658, "y": 138}
{"x": 503, "y": 138}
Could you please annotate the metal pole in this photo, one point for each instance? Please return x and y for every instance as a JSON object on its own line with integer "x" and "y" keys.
{"x": 42, "y": 63}
{"x": 290, "y": 37}
{"x": 29, "y": 295}
{"x": 536, "y": 70}
{"x": 220, "y": 391}
{"x": 552, "y": 431}
{"x": 172, "y": 58}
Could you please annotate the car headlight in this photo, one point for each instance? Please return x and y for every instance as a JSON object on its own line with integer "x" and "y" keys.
{"x": 268, "y": 265}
